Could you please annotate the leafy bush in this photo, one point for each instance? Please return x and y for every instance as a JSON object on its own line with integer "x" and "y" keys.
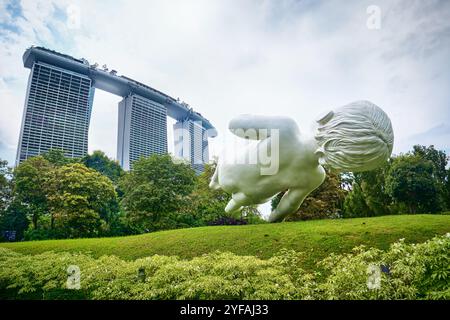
{"x": 410, "y": 271}
{"x": 414, "y": 271}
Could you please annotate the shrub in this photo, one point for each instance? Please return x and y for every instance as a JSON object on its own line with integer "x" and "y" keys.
{"x": 409, "y": 271}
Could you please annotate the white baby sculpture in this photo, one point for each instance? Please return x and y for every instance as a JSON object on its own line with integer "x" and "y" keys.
{"x": 355, "y": 137}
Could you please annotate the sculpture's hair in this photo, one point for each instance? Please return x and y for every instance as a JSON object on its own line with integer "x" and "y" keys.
{"x": 355, "y": 137}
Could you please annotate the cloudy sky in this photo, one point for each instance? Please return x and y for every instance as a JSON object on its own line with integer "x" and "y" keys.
{"x": 296, "y": 58}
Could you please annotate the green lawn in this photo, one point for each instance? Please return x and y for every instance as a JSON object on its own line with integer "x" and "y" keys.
{"x": 318, "y": 238}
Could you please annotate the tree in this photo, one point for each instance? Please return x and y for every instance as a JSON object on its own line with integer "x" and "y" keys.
{"x": 324, "y": 202}
{"x": 440, "y": 171}
{"x": 78, "y": 200}
{"x": 368, "y": 196}
{"x": 410, "y": 181}
{"x": 155, "y": 187}
{"x": 447, "y": 190}
{"x": 355, "y": 203}
{"x": 57, "y": 158}
{"x": 207, "y": 204}
{"x": 14, "y": 218}
{"x": 12, "y": 214}
{"x": 100, "y": 162}
{"x": 5, "y": 185}
{"x": 30, "y": 177}
{"x": 438, "y": 159}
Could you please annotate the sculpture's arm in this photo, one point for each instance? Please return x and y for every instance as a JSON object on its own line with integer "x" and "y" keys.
{"x": 252, "y": 127}
{"x": 289, "y": 203}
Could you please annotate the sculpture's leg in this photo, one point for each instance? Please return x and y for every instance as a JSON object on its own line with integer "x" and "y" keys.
{"x": 289, "y": 203}
{"x": 238, "y": 200}
{"x": 214, "y": 184}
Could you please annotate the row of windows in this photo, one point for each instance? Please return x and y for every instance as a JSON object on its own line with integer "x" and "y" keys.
{"x": 45, "y": 131}
{"x": 66, "y": 90}
{"x": 43, "y": 127}
{"x": 143, "y": 119}
{"x": 145, "y": 135}
{"x": 68, "y": 147}
{"x": 57, "y": 89}
{"x": 148, "y": 151}
{"x": 56, "y": 135}
{"x": 62, "y": 119}
{"x": 55, "y": 95}
{"x": 137, "y": 152}
{"x": 146, "y": 110}
{"x": 64, "y": 84}
{"x": 145, "y": 104}
{"x": 148, "y": 147}
{"x": 55, "y": 113}
{"x": 57, "y": 139}
{"x": 47, "y": 123}
{"x": 44, "y": 95}
{"x": 136, "y": 156}
{"x": 46, "y": 71}
{"x": 42, "y": 78}
{"x": 60, "y": 104}
{"x": 52, "y": 99}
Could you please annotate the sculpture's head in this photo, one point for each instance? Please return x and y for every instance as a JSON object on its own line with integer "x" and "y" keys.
{"x": 355, "y": 137}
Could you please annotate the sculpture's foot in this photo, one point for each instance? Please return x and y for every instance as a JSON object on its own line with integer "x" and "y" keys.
{"x": 232, "y": 206}
{"x": 214, "y": 185}
{"x": 238, "y": 200}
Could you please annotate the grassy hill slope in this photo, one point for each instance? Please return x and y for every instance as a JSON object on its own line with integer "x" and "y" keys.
{"x": 318, "y": 238}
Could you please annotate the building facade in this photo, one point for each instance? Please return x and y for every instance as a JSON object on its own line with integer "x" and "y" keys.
{"x": 57, "y": 113}
{"x": 142, "y": 130}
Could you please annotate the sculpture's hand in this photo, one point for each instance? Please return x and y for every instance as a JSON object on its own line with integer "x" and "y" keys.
{"x": 289, "y": 203}
{"x": 249, "y": 126}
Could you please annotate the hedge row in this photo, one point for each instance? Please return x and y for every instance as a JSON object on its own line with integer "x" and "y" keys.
{"x": 404, "y": 271}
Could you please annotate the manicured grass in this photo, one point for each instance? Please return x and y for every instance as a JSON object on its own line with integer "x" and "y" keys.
{"x": 317, "y": 238}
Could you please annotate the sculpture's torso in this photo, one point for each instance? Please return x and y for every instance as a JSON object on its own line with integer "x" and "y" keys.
{"x": 298, "y": 169}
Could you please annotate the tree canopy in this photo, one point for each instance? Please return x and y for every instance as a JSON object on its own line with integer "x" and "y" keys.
{"x": 410, "y": 181}
{"x": 156, "y": 186}
{"x": 30, "y": 178}
{"x": 100, "y": 162}
{"x": 78, "y": 199}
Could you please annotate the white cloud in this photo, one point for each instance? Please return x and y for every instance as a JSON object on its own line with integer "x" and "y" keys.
{"x": 224, "y": 58}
